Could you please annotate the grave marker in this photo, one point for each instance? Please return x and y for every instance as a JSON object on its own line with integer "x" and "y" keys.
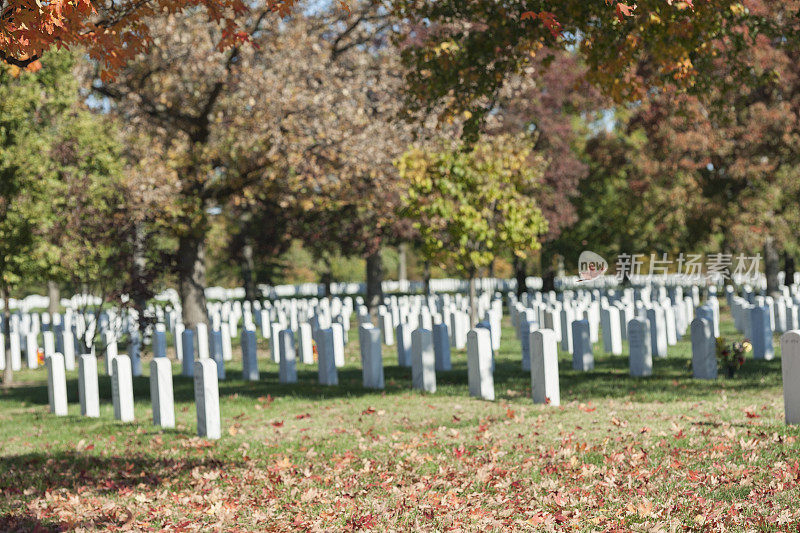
{"x": 161, "y": 392}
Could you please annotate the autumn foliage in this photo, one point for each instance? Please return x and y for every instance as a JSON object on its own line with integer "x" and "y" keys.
{"x": 112, "y": 33}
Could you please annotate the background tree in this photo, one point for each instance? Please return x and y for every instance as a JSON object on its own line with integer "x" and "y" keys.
{"x": 110, "y": 32}
{"x": 470, "y": 206}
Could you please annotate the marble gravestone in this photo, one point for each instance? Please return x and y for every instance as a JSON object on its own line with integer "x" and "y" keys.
{"x": 56, "y": 384}
{"x": 441, "y": 347}
{"x": 479, "y": 364}
{"x": 122, "y": 388}
{"x": 88, "y": 391}
{"x": 287, "y": 368}
{"x": 206, "y": 399}
{"x": 582, "y": 357}
{"x": 612, "y": 334}
{"x": 305, "y": 344}
{"x": 704, "y": 350}
{"x": 403, "y": 345}
{"x": 640, "y": 358}
{"x": 249, "y": 356}
{"x": 761, "y": 333}
{"x": 160, "y": 341}
{"x": 369, "y": 339}
{"x": 544, "y": 367}
{"x": 423, "y": 361}
{"x": 187, "y": 341}
{"x": 790, "y": 370}
{"x": 327, "y": 374}
{"x": 161, "y": 394}
{"x": 658, "y": 331}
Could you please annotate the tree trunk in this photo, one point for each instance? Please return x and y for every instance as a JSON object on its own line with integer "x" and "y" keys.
{"x": 192, "y": 280}
{"x": 54, "y": 293}
{"x": 426, "y": 278}
{"x": 8, "y": 373}
{"x": 402, "y": 262}
{"x": 326, "y": 279}
{"x": 473, "y": 299}
{"x": 771, "y": 266}
{"x": 520, "y": 275}
{"x": 247, "y": 266}
{"x": 548, "y": 271}
{"x": 374, "y": 281}
{"x": 788, "y": 267}
{"x": 139, "y": 274}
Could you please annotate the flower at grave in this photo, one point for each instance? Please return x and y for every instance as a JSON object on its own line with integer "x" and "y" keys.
{"x": 40, "y": 356}
{"x": 731, "y": 357}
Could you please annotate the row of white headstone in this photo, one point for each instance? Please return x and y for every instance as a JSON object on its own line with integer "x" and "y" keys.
{"x": 206, "y": 391}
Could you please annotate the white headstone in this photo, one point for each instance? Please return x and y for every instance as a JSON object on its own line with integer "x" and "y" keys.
{"x": 479, "y": 364}
{"x": 68, "y": 340}
{"x": 612, "y": 332}
{"x": 56, "y": 384}
{"x": 326, "y": 359}
{"x": 161, "y": 392}
{"x": 640, "y": 359}
{"x": 187, "y": 341}
{"x": 249, "y": 355}
{"x": 761, "y": 334}
{"x": 441, "y": 347}
{"x": 32, "y": 350}
{"x": 287, "y": 370}
{"x": 122, "y": 388}
{"x": 403, "y": 345}
{"x": 544, "y": 367}
{"x": 790, "y": 367}
{"x": 658, "y": 331}
{"x": 110, "y": 342}
{"x": 88, "y": 392}
{"x": 305, "y": 344}
{"x": 371, "y": 359}
{"x": 582, "y": 357}
{"x": 704, "y": 350}
{"x": 338, "y": 344}
{"x": 423, "y": 361}
{"x": 201, "y": 330}
{"x": 206, "y": 398}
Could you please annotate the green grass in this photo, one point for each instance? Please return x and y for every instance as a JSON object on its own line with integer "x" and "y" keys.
{"x": 664, "y": 452}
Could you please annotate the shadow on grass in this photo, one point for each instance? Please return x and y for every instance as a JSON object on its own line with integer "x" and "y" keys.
{"x": 34, "y": 473}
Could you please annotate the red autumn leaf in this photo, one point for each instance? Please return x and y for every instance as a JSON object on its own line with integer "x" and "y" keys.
{"x": 752, "y": 415}
{"x": 510, "y": 413}
{"x": 277, "y": 423}
{"x": 368, "y": 411}
{"x": 304, "y": 415}
{"x": 624, "y": 10}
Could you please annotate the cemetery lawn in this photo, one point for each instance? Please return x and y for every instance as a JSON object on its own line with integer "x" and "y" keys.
{"x": 661, "y": 453}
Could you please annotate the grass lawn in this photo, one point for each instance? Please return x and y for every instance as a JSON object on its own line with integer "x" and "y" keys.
{"x": 663, "y": 453}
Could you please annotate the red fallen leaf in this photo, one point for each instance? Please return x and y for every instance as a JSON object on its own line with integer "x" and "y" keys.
{"x": 483, "y": 427}
{"x": 368, "y": 411}
{"x": 751, "y": 415}
{"x": 278, "y": 423}
{"x": 456, "y": 418}
{"x": 560, "y": 518}
{"x": 459, "y": 452}
{"x": 509, "y": 413}
{"x": 304, "y": 415}
{"x": 624, "y": 10}
{"x": 547, "y": 400}
{"x": 587, "y": 408}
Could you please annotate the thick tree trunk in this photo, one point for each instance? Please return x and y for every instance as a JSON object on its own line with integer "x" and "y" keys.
{"x": 788, "y": 267}
{"x": 326, "y": 279}
{"x": 548, "y": 271}
{"x": 771, "y": 266}
{"x": 54, "y": 293}
{"x": 520, "y": 275}
{"x": 426, "y": 278}
{"x": 402, "y": 262}
{"x": 192, "y": 280}
{"x": 139, "y": 274}
{"x": 8, "y": 372}
{"x": 473, "y": 300}
{"x": 374, "y": 281}
{"x": 247, "y": 266}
